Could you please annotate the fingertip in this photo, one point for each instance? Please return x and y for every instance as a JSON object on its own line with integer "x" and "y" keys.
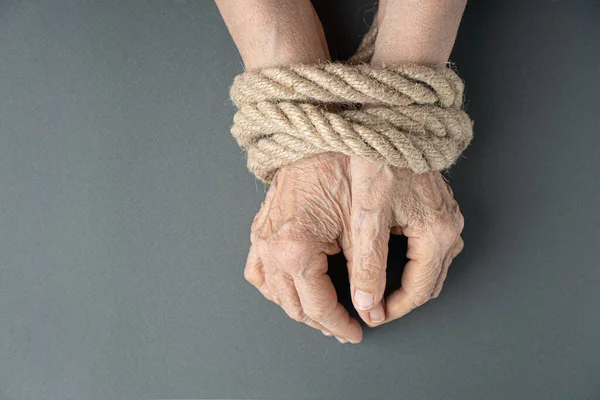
{"x": 375, "y": 317}
{"x": 377, "y": 314}
{"x": 355, "y": 334}
{"x": 398, "y": 304}
{"x": 363, "y": 301}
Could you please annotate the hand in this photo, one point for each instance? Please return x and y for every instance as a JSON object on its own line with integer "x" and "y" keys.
{"x": 304, "y": 218}
{"x": 387, "y": 199}
{"x": 331, "y": 202}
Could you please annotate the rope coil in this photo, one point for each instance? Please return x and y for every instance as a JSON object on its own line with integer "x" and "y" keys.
{"x": 405, "y": 115}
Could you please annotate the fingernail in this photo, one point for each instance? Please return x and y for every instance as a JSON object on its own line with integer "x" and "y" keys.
{"x": 352, "y": 341}
{"x": 326, "y": 333}
{"x": 377, "y": 314}
{"x": 363, "y": 300}
{"x": 341, "y": 340}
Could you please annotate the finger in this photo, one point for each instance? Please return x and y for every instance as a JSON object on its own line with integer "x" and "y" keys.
{"x": 320, "y": 303}
{"x": 370, "y": 238}
{"x": 458, "y": 247}
{"x": 271, "y": 284}
{"x": 420, "y": 276}
{"x": 442, "y": 278}
{"x": 290, "y": 302}
{"x": 375, "y": 315}
{"x": 447, "y": 262}
{"x": 267, "y": 294}
{"x": 254, "y": 273}
{"x": 254, "y": 269}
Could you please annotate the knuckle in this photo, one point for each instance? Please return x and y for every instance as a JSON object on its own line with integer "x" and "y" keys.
{"x": 249, "y": 276}
{"x": 254, "y": 238}
{"x": 446, "y": 223}
{"x": 292, "y": 258}
{"x": 418, "y": 299}
{"x": 305, "y": 273}
{"x": 460, "y": 245}
{"x": 255, "y": 223}
{"x": 447, "y": 229}
{"x": 296, "y": 313}
{"x": 322, "y": 314}
{"x": 461, "y": 222}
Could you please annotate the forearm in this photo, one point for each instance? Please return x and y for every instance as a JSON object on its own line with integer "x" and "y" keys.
{"x": 417, "y": 31}
{"x": 271, "y": 33}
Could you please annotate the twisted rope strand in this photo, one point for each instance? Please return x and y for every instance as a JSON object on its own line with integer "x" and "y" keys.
{"x": 408, "y": 116}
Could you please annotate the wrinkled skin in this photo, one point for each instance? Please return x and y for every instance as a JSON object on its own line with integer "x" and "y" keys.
{"x": 330, "y": 203}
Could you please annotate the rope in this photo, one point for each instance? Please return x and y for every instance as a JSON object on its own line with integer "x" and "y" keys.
{"x": 408, "y": 116}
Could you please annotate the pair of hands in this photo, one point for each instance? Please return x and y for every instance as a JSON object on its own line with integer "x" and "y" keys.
{"x": 330, "y": 203}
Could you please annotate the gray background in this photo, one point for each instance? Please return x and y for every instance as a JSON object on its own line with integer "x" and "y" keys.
{"x": 125, "y": 209}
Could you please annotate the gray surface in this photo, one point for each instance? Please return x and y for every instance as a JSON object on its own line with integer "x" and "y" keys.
{"x": 125, "y": 209}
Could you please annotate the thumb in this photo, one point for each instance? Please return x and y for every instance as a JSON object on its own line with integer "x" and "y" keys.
{"x": 370, "y": 237}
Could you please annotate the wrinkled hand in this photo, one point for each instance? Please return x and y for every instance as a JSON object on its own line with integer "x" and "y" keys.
{"x": 331, "y": 202}
{"x": 421, "y": 207}
{"x": 304, "y": 217}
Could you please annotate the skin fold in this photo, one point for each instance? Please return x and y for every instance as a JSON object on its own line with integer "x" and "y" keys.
{"x": 331, "y": 202}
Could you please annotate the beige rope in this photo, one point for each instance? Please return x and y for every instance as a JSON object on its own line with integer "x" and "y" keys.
{"x": 405, "y": 115}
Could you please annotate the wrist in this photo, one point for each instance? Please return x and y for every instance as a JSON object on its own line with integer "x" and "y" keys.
{"x": 416, "y": 31}
{"x": 272, "y": 33}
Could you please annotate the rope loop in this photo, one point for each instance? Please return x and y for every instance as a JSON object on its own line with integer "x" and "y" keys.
{"x": 408, "y": 116}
